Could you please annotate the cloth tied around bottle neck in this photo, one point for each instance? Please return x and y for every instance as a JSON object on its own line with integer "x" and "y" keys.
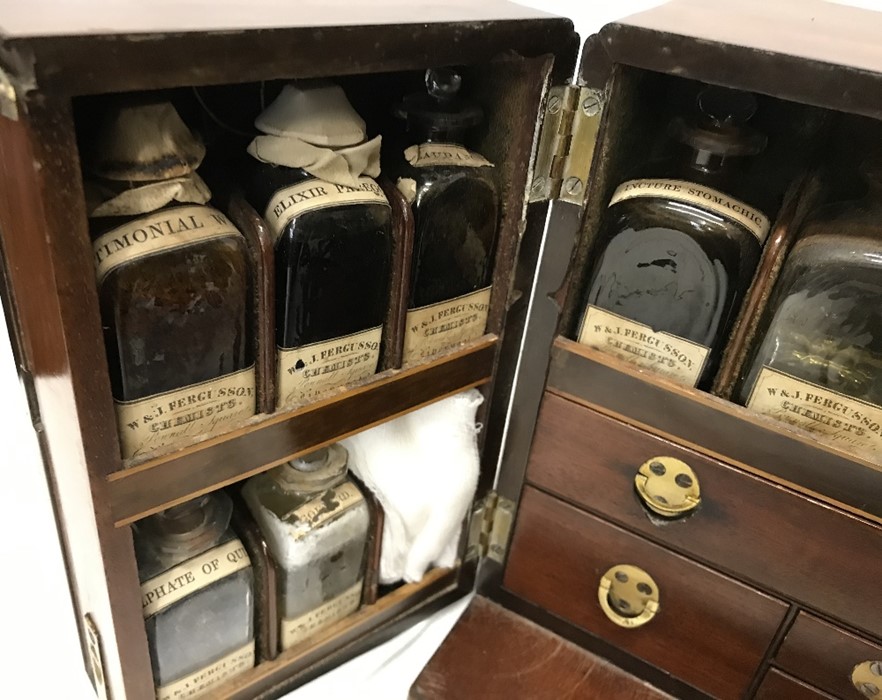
{"x": 316, "y": 129}
{"x": 144, "y": 158}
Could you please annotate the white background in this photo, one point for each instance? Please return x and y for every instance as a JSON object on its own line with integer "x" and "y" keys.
{"x": 39, "y": 650}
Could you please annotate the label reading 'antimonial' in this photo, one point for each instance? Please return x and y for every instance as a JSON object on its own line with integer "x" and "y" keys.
{"x": 841, "y": 421}
{"x": 296, "y": 629}
{"x": 199, "y": 409}
{"x": 198, "y": 683}
{"x": 315, "y": 194}
{"x": 426, "y": 155}
{"x": 433, "y": 328}
{"x": 705, "y": 197}
{"x": 669, "y": 355}
{"x": 186, "y": 578}
{"x": 161, "y": 230}
{"x": 330, "y": 505}
{"x": 308, "y": 372}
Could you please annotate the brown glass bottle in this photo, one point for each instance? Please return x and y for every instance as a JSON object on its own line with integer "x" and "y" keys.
{"x": 678, "y": 251}
{"x": 455, "y": 207}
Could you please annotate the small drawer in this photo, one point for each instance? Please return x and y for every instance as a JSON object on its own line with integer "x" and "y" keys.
{"x": 826, "y": 656}
{"x": 744, "y": 525}
{"x": 709, "y": 631}
{"x": 780, "y": 686}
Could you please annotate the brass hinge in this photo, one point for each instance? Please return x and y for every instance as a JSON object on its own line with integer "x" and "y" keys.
{"x": 96, "y": 659}
{"x": 490, "y": 527}
{"x": 566, "y": 144}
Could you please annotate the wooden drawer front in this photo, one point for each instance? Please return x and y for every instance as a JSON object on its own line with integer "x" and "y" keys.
{"x": 710, "y": 632}
{"x": 825, "y": 655}
{"x": 777, "y": 539}
{"x": 780, "y": 686}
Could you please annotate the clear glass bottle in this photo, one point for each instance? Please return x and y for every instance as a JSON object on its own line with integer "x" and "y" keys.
{"x": 678, "y": 251}
{"x": 315, "y": 522}
{"x": 333, "y": 238}
{"x": 455, "y": 206}
{"x": 197, "y": 598}
{"x": 817, "y": 362}
{"x": 174, "y": 283}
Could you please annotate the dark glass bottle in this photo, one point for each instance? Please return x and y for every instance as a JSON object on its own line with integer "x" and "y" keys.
{"x": 817, "y": 363}
{"x": 333, "y": 251}
{"x": 197, "y": 598}
{"x": 678, "y": 252}
{"x": 455, "y": 206}
{"x": 174, "y": 285}
{"x": 315, "y": 522}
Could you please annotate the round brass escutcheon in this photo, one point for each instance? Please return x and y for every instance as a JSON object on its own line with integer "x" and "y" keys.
{"x": 867, "y": 678}
{"x": 628, "y": 595}
{"x": 668, "y": 486}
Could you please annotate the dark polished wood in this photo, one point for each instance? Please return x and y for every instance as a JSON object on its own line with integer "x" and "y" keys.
{"x": 746, "y": 526}
{"x": 165, "y": 481}
{"x": 399, "y": 284}
{"x": 494, "y": 654}
{"x": 710, "y": 632}
{"x": 825, "y": 655}
{"x": 779, "y": 686}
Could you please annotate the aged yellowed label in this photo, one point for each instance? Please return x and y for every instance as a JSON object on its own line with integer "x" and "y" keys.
{"x": 328, "y": 506}
{"x": 707, "y": 198}
{"x": 186, "y": 578}
{"x": 197, "y": 684}
{"x": 430, "y": 329}
{"x": 296, "y": 629}
{"x": 307, "y": 372}
{"x": 162, "y": 230}
{"x": 199, "y": 409}
{"x": 663, "y": 353}
{"x": 314, "y": 194}
{"x": 425, "y": 155}
{"x": 849, "y": 424}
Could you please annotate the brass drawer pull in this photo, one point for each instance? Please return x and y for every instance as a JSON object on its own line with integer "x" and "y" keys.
{"x": 628, "y": 596}
{"x": 668, "y": 486}
{"x": 867, "y": 678}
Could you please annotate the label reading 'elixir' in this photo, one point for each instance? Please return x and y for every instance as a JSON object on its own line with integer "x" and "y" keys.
{"x": 296, "y": 629}
{"x": 430, "y": 329}
{"x": 307, "y": 372}
{"x": 199, "y": 682}
{"x": 663, "y": 353}
{"x": 843, "y": 422}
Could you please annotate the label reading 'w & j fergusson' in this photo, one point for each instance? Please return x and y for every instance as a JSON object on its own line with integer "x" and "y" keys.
{"x": 314, "y": 194}
{"x": 433, "y": 328}
{"x": 330, "y": 505}
{"x": 705, "y": 197}
{"x": 307, "y": 372}
{"x": 296, "y": 629}
{"x": 669, "y": 355}
{"x": 198, "y": 683}
{"x": 162, "y": 230}
{"x": 841, "y": 421}
{"x": 426, "y": 155}
{"x": 199, "y": 409}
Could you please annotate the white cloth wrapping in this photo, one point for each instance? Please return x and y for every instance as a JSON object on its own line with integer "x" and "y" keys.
{"x": 423, "y": 469}
{"x": 104, "y": 201}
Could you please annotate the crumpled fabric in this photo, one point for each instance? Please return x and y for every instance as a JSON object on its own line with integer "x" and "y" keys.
{"x": 103, "y": 200}
{"x": 423, "y": 469}
{"x": 342, "y": 166}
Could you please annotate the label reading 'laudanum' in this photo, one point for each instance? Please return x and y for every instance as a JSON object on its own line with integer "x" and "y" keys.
{"x": 705, "y": 197}
{"x": 307, "y": 372}
{"x": 433, "y": 328}
{"x": 297, "y": 629}
{"x": 425, "y": 155}
{"x": 319, "y": 510}
{"x": 161, "y": 230}
{"x": 846, "y": 423}
{"x": 314, "y": 194}
{"x": 198, "y": 683}
{"x": 669, "y": 355}
{"x": 186, "y": 578}
{"x": 206, "y": 408}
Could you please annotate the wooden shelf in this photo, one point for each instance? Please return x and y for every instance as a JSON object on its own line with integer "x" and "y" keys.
{"x": 269, "y": 441}
{"x": 716, "y": 427}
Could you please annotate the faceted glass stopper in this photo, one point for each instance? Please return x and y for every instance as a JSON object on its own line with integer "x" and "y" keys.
{"x": 443, "y": 83}
{"x": 725, "y": 107}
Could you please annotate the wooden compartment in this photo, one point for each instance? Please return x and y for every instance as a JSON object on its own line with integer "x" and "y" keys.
{"x": 777, "y": 685}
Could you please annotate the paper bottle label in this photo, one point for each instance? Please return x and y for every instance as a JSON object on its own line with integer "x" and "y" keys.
{"x": 425, "y": 155}
{"x": 433, "y": 328}
{"x": 329, "y": 505}
{"x": 297, "y": 629}
{"x": 209, "y": 407}
{"x": 669, "y": 355}
{"x": 199, "y": 683}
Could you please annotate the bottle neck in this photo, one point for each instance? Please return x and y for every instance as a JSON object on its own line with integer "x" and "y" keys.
{"x": 425, "y": 133}
{"x": 708, "y": 167}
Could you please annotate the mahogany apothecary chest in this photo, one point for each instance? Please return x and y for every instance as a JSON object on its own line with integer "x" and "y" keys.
{"x": 651, "y": 530}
